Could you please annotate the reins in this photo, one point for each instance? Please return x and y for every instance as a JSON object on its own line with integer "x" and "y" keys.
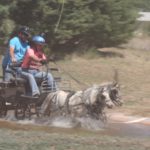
{"x": 84, "y": 85}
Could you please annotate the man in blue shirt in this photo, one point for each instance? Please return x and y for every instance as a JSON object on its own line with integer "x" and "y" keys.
{"x": 16, "y": 51}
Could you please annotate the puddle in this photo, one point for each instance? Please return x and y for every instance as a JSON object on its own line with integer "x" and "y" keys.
{"x": 74, "y": 124}
{"x": 130, "y": 130}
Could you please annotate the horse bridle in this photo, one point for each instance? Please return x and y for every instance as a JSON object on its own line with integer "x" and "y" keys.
{"x": 114, "y": 95}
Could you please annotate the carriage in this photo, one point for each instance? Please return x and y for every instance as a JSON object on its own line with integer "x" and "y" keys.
{"x": 14, "y": 94}
{"x": 92, "y": 101}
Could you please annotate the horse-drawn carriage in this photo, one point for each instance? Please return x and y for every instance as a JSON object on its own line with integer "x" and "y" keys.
{"x": 91, "y": 101}
{"x": 14, "y": 95}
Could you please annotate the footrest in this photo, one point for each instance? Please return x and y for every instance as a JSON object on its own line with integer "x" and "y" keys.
{"x": 28, "y": 97}
{"x": 18, "y": 80}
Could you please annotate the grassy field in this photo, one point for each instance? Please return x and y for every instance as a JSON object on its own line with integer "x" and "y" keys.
{"x": 23, "y": 137}
{"x": 133, "y": 67}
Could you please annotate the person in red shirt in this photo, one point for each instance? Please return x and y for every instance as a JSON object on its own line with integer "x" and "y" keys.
{"x": 32, "y": 62}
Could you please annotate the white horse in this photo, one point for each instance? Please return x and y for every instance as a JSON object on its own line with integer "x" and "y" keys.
{"x": 91, "y": 101}
{"x": 62, "y": 101}
{"x": 98, "y": 97}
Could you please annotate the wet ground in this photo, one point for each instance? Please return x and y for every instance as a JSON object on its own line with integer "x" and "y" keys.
{"x": 133, "y": 126}
{"x": 130, "y": 130}
{"x": 118, "y": 124}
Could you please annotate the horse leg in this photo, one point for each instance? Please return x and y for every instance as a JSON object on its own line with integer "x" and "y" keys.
{"x": 103, "y": 117}
{"x": 46, "y": 105}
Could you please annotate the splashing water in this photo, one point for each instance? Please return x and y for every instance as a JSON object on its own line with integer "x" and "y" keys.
{"x": 70, "y": 122}
{"x": 62, "y": 122}
{"x": 87, "y": 123}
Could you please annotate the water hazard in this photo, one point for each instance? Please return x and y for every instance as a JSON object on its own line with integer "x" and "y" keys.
{"x": 86, "y": 124}
{"x": 131, "y": 130}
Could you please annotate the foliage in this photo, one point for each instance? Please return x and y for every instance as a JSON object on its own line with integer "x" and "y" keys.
{"x": 6, "y": 24}
{"x": 83, "y": 23}
{"x": 142, "y": 5}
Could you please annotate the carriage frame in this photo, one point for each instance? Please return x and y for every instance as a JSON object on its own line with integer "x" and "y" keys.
{"x": 13, "y": 94}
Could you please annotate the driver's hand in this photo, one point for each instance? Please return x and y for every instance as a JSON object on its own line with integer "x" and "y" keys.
{"x": 43, "y": 62}
{"x": 13, "y": 60}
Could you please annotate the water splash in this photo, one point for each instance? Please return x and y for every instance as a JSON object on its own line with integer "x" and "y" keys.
{"x": 71, "y": 122}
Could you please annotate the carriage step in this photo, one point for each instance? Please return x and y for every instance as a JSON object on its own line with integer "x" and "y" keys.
{"x": 29, "y": 97}
{"x": 18, "y": 80}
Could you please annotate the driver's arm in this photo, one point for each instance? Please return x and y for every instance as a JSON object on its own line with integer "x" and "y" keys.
{"x": 11, "y": 51}
{"x": 33, "y": 56}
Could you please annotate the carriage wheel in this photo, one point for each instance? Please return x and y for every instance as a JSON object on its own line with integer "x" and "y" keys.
{"x": 37, "y": 109}
{"x": 20, "y": 111}
{"x": 32, "y": 109}
{"x": 3, "y": 108}
{"x": 28, "y": 112}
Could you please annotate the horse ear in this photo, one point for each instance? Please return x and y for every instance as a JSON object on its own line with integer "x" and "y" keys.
{"x": 116, "y": 76}
{"x": 114, "y": 83}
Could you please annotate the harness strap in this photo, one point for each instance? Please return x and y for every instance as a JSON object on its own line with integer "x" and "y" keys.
{"x": 67, "y": 101}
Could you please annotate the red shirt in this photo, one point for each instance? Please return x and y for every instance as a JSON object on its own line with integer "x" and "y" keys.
{"x": 28, "y": 61}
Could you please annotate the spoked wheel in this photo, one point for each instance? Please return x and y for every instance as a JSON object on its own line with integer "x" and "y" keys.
{"x": 32, "y": 109}
{"x": 26, "y": 107}
{"x": 20, "y": 111}
{"x": 3, "y": 108}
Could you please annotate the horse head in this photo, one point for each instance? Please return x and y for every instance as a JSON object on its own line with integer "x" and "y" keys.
{"x": 98, "y": 97}
{"x": 105, "y": 96}
{"x": 112, "y": 94}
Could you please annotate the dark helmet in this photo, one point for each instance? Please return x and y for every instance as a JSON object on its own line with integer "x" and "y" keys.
{"x": 37, "y": 39}
{"x": 25, "y": 30}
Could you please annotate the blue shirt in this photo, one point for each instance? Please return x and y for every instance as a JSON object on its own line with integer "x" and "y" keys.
{"x": 19, "y": 50}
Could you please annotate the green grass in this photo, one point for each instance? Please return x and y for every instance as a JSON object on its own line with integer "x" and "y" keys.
{"x": 40, "y": 140}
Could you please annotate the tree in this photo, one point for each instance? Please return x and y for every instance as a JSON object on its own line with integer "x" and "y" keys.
{"x": 85, "y": 23}
{"x": 6, "y": 24}
{"x": 141, "y": 5}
